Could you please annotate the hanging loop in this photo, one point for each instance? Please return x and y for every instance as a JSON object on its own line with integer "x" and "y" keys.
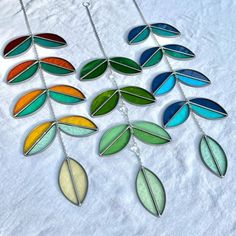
{"x": 86, "y": 4}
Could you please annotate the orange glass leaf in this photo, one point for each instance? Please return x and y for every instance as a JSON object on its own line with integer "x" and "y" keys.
{"x": 57, "y": 66}
{"x": 22, "y": 71}
{"x": 66, "y": 94}
{"x": 30, "y": 103}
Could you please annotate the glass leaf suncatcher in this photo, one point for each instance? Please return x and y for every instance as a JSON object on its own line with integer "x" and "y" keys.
{"x": 73, "y": 180}
{"x": 212, "y": 154}
{"x": 149, "y": 188}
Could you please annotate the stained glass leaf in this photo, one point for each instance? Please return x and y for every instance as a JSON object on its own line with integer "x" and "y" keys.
{"x": 78, "y": 126}
{"x": 30, "y": 103}
{"x": 150, "y": 133}
{"x": 137, "y": 96}
{"x": 125, "y": 65}
{"x": 17, "y": 46}
{"x": 163, "y": 83}
{"x": 164, "y": 30}
{"x": 138, "y": 34}
{"x": 104, "y": 103}
{"x": 40, "y": 138}
{"x": 151, "y": 192}
{"x": 178, "y": 52}
{"x": 151, "y": 57}
{"x": 57, "y": 66}
{"x": 213, "y": 156}
{"x": 73, "y": 181}
{"x": 66, "y": 94}
{"x": 49, "y": 40}
{"x": 207, "y": 108}
{"x": 23, "y": 71}
{"x": 192, "y": 78}
{"x": 114, "y": 139}
{"x": 93, "y": 69}
{"x": 176, "y": 114}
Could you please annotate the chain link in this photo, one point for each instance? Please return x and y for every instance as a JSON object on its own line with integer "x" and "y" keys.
{"x": 43, "y": 80}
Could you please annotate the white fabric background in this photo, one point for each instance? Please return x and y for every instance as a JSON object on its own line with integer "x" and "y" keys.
{"x": 198, "y": 203}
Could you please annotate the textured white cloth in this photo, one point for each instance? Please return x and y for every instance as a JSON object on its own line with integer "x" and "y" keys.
{"x": 198, "y": 203}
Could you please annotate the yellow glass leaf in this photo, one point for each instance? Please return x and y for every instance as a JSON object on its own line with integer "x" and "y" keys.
{"x": 73, "y": 181}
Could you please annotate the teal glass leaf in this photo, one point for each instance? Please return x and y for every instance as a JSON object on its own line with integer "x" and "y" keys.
{"x": 178, "y": 52}
{"x": 138, "y": 34}
{"x": 151, "y": 57}
{"x": 164, "y": 30}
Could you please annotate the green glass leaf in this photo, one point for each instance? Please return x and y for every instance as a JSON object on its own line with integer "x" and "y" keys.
{"x": 213, "y": 156}
{"x": 150, "y": 133}
{"x": 136, "y": 95}
{"x": 114, "y": 139}
{"x": 125, "y": 65}
{"x": 93, "y": 69}
{"x": 151, "y": 192}
{"x": 104, "y": 103}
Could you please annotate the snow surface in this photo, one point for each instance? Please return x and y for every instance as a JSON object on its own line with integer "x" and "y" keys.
{"x": 198, "y": 203}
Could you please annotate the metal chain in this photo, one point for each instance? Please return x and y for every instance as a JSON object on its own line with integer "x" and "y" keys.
{"x": 43, "y": 80}
{"x": 123, "y": 109}
{"x": 170, "y": 67}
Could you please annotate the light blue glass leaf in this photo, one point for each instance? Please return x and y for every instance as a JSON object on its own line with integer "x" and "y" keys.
{"x": 213, "y": 156}
{"x": 164, "y": 30}
{"x": 192, "y": 78}
{"x": 178, "y": 52}
{"x": 207, "y": 108}
{"x": 163, "y": 83}
{"x": 138, "y": 34}
{"x": 176, "y": 114}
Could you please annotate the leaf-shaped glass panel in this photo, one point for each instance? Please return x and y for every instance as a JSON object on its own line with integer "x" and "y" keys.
{"x": 114, "y": 140}
{"x": 213, "y": 156}
{"x": 151, "y": 192}
{"x": 124, "y": 65}
{"x": 17, "y": 46}
{"x": 178, "y": 52}
{"x": 163, "y": 83}
{"x": 66, "y": 94}
{"x": 176, "y": 114}
{"x": 192, "y": 78}
{"x": 104, "y": 103}
{"x": 93, "y": 69}
{"x": 77, "y": 126}
{"x": 164, "y": 30}
{"x": 49, "y": 40}
{"x": 137, "y": 95}
{"x": 207, "y": 108}
{"x": 150, "y": 133}
{"x": 40, "y": 138}
{"x": 138, "y": 34}
{"x": 73, "y": 181}
{"x": 30, "y": 103}
{"x": 57, "y": 66}
{"x": 22, "y": 71}
{"x": 151, "y": 57}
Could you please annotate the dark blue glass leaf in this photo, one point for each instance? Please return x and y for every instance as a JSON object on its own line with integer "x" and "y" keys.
{"x": 207, "y": 108}
{"x": 151, "y": 57}
{"x": 176, "y": 114}
{"x": 192, "y": 78}
{"x": 138, "y": 34}
{"x": 163, "y": 83}
{"x": 164, "y": 30}
{"x": 178, "y": 52}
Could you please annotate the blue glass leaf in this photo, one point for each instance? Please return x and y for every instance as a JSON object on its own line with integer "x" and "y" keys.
{"x": 163, "y": 83}
{"x": 151, "y": 57}
{"x": 164, "y": 30}
{"x": 192, "y": 78}
{"x": 207, "y": 108}
{"x": 138, "y": 34}
{"x": 176, "y": 114}
{"x": 178, "y": 52}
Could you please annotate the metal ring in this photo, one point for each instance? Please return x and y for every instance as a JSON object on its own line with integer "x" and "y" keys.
{"x": 86, "y": 4}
